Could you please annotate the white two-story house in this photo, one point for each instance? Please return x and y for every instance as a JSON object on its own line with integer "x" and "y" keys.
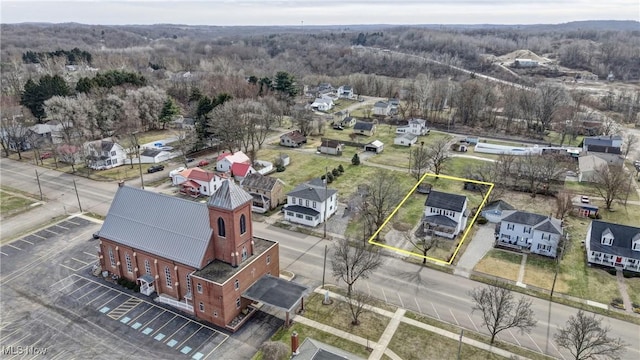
{"x": 345, "y": 92}
{"x": 537, "y": 233}
{"x": 445, "y": 214}
{"x": 311, "y": 203}
{"x": 613, "y": 245}
{"x": 104, "y": 154}
{"x": 415, "y": 126}
{"x": 197, "y": 181}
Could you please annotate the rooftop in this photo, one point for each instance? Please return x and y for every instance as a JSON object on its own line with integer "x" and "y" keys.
{"x": 220, "y": 271}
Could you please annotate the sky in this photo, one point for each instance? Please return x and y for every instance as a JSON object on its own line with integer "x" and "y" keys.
{"x": 316, "y": 12}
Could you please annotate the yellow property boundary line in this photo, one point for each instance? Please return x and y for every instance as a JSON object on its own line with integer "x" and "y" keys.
{"x": 464, "y": 235}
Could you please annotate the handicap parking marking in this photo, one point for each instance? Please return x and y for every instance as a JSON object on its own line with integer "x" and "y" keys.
{"x": 185, "y": 350}
{"x": 115, "y": 301}
{"x": 104, "y": 310}
{"x": 159, "y": 336}
{"x": 164, "y": 323}
{"x": 188, "y": 338}
{"x": 175, "y": 336}
{"x": 136, "y": 325}
{"x": 124, "y": 308}
{"x": 197, "y": 356}
{"x": 147, "y": 331}
{"x": 172, "y": 343}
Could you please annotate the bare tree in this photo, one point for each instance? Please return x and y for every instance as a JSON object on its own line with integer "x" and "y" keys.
{"x": 383, "y": 197}
{"x": 630, "y": 143}
{"x": 564, "y": 204}
{"x": 353, "y": 262}
{"x": 611, "y": 183}
{"x": 586, "y": 338}
{"x": 422, "y": 242}
{"x": 356, "y": 301}
{"x": 419, "y": 161}
{"x": 438, "y": 155}
{"x": 488, "y": 172}
{"x": 274, "y": 350}
{"x": 304, "y": 120}
{"x": 185, "y": 143}
{"x": 14, "y": 133}
{"x": 549, "y": 98}
{"x": 500, "y": 311}
{"x": 148, "y": 102}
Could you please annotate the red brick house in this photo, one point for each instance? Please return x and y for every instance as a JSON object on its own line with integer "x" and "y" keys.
{"x": 199, "y": 257}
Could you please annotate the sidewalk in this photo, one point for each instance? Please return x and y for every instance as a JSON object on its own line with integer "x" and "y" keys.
{"x": 380, "y": 347}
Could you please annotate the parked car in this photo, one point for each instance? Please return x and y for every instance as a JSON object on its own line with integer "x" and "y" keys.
{"x": 45, "y": 155}
{"x": 203, "y": 163}
{"x": 190, "y": 159}
{"x": 338, "y": 127}
{"x": 155, "y": 168}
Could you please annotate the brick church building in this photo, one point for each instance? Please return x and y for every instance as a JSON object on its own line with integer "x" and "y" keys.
{"x": 198, "y": 257}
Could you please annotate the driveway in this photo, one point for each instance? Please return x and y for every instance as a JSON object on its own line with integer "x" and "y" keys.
{"x": 477, "y": 248}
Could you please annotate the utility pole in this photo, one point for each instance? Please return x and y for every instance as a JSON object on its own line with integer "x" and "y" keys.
{"x": 326, "y": 201}
{"x": 324, "y": 265}
{"x": 39, "y": 187}
{"x": 460, "y": 344}
{"x": 135, "y": 139}
{"x": 77, "y": 196}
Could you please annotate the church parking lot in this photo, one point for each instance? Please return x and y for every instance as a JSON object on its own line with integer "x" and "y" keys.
{"x": 143, "y": 321}
{"x": 52, "y": 306}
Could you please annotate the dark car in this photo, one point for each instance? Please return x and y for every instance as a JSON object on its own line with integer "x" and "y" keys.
{"x": 155, "y": 168}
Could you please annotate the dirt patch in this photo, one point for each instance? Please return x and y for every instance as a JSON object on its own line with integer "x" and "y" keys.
{"x": 522, "y": 54}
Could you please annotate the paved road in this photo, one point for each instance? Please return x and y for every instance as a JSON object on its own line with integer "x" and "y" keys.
{"x": 411, "y": 286}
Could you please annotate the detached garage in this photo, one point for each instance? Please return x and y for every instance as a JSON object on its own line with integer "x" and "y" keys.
{"x": 374, "y": 146}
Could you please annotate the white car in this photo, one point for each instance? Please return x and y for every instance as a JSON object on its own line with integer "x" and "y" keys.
{"x": 176, "y": 171}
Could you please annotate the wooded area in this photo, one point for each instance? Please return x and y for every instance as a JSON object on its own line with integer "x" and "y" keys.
{"x": 115, "y": 80}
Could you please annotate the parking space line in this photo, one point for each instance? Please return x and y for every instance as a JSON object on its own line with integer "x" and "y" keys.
{"x": 108, "y": 301}
{"x": 385, "y": 296}
{"x": 94, "y": 255}
{"x": 76, "y": 224}
{"x": 124, "y": 308}
{"x": 15, "y": 247}
{"x": 70, "y": 268}
{"x": 150, "y": 321}
{"x": 89, "y": 292}
{"x": 436, "y": 311}
{"x": 558, "y": 351}
{"x": 55, "y": 283}
{"x": 53, "y": 232}
{"x": 78, "y": 288}
{"x": 98, "y": 297}
{"x": 165, "y": 324}
{"x": 3, "y": 253}
{"x": 215, "y": 348}
{"x": 185, "y": 324}
{"x": 58, "y": 225}
{"x": 535, "y": 343}
{"x": 474, "y": 324}
{"x": 418, "y": 305}
{"x": 136, "y": 318}
{"x": 41, "y": 237}
{"x": 401, "y": 302}
{"x": 514, "y": 338}
{"x": 80, "y": 261}
{"x": 454, "y": 317}
{"x": 13, "y": 344}
{"x": 190, "y": 336}
{"x": 6, "y": 336}
{"x": 28, "y": 242}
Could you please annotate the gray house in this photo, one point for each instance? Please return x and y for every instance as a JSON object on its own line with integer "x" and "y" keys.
{"x": 495, "y": 210}
{"x": 613, "y": 245}
{"x": 364, "y": 128}
{"x": 539, "y": 234}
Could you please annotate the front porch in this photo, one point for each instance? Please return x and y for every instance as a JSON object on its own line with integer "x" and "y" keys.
{"x": 182, "y": 305}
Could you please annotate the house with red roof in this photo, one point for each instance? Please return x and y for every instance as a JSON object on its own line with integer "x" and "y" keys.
{"x": 196, "y": 181}
{"x": 226, "y": 160}
{"x": 240, "y": 170}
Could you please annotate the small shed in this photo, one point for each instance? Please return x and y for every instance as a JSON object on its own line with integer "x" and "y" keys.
{"x": 406, "y": 139}
{"x": 375, "y": 146}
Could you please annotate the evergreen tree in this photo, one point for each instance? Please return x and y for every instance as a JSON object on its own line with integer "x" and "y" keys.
{"x": 35, "y": 94}
{"x": 169, "y": 110}
{"x": 355, "y": 160}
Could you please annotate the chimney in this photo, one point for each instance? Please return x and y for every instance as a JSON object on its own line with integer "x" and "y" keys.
{"x": 121, "y": 183}
{"x": 294, "y": 343}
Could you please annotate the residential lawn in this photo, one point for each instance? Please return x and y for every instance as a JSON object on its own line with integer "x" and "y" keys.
{"x": 554, "y": 138}
{"x": 396, "y": 155}
{"x": 633, "y": 288}
{"x": 410, "y": 343}
{"x": 580, "y": 280}
{"x": 410, "y": 213}
{"x": 460, "y": 167}
{"x": 338, "y": 315}
{"x": 284, "y": 335}
{"x": 154, "y": 135}
{"x": 342, "y": 103}
{"x": 539, "y": 272}
{"x": 12, "y": 202}
{"x": 582, "y": 188}
{"x": 500, "y": 263}
{"x": 629, "y": 215}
